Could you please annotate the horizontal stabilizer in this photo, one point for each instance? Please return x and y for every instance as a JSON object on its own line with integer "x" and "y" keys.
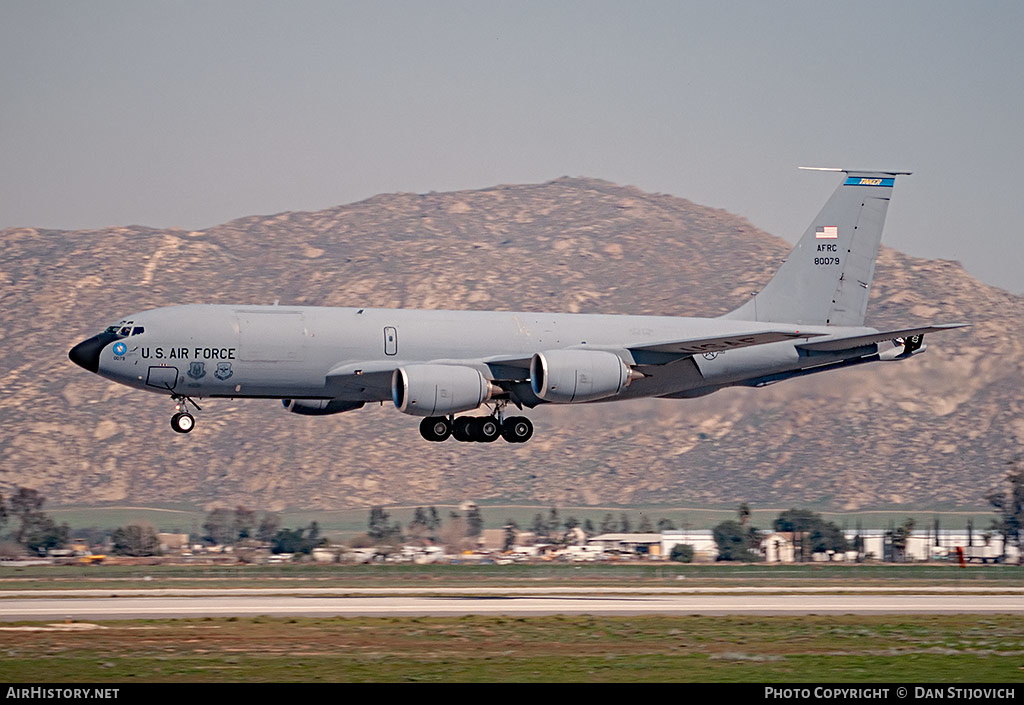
{"x": 719, "y": 343}
{"x": 837, "y": 344}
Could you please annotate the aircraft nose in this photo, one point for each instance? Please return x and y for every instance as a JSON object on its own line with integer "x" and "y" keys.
{"x": 87, "y": 353}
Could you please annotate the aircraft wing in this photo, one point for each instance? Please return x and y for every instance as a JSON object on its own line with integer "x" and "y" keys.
{"x": 371, "y": 380}
{"x": 696, "y": 346}
{"x": 856, "y": 341}
{"x": 664, "y": 351}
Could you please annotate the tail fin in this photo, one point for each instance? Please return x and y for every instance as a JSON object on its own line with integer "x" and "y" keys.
{"x": 826, "y": 278}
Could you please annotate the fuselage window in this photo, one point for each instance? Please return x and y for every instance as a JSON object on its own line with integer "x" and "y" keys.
{"x": 138, "y": 330}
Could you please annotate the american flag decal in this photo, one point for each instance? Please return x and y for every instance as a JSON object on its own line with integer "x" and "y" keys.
{"x": 827, "y": 232}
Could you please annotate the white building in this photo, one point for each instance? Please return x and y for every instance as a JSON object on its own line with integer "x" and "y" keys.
{"x": 649, "y": 544}
{"x": 788, "y": 547}
{"x": 922, "y": 545}
{"x": 702, "y": 540}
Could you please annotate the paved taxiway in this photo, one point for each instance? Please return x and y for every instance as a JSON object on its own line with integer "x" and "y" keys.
{"x": 382, "y": 602}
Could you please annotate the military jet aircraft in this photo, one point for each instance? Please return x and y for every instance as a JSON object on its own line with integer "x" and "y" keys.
{"x": 809, "y": 318}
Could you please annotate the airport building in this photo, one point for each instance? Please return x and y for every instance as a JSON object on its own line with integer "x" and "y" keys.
{"x": 876, "y": 544}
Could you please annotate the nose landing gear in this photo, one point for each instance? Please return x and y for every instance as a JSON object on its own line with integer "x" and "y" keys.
{"x": 182, "y": 421}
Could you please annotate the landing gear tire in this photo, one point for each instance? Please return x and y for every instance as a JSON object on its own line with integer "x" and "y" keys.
{"x": 517, "y": 429}
{"x": 461, "y": 429}
{"x": 183, "y": 422}
{"x": 435, "y": 428}
{"x": 485, "y": 429}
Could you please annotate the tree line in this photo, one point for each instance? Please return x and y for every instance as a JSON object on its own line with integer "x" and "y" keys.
{"x": 737, "y": 540}
{"x": 36, "y": 531}
{"x": 33, "y": 530}
{"x": 461, "y": 529}
{"x": 238, "y": 528}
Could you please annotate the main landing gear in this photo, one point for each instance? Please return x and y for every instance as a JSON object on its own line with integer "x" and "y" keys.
{"x": 182, "y": 421}
{"x": 476, "y": 429}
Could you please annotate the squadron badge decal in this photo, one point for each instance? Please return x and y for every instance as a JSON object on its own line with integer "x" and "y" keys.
{"x": 223, "y": 371}
{"x": 197, "y": 370}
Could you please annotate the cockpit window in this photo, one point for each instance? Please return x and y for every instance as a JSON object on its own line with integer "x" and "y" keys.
{"x": 124, "y": 329}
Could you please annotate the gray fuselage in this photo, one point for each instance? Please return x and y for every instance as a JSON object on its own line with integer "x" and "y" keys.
{"x": 290, "y": 352}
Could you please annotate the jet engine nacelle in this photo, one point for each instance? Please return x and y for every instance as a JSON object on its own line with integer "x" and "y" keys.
{"x": 439, "y": 390}
{"x": 319, "y": 407}
{"x": 573, "y": 376}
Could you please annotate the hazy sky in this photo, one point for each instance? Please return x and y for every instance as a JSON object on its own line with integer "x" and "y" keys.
{"x": 193, "y": 113}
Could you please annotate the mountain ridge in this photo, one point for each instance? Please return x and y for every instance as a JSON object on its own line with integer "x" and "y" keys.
{"x": 936, "y": 430}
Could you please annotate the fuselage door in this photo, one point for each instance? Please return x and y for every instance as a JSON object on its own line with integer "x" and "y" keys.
{"x": 162, "y": 377}
{"x": 390, "y": 341}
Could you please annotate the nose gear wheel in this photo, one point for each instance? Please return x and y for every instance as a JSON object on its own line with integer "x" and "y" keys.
{"x": 182, "y": 421}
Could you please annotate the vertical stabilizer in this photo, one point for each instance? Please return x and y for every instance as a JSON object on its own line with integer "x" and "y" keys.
{"x": 827, "y": 277}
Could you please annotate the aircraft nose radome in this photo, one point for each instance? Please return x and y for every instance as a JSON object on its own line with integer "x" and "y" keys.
{"x": 87, "y": 353}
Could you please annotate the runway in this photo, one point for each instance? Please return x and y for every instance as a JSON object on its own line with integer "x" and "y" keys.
{"x": 567, "y": 602}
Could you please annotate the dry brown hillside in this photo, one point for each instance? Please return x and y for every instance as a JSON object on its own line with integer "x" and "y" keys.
{"x": 935, "y": 431}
